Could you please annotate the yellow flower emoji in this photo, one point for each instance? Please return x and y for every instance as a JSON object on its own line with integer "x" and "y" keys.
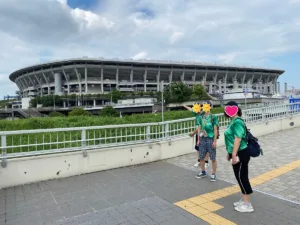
{"x": 196, "y": 108}
{"x": 206, "y": 107}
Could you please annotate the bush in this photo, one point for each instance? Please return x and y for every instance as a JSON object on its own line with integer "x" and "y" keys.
{"x": 56, "y": 114}
{"x": 85, "y": 121}
{"x": 108, "y": 111}
{"x": 79, "y": 112}
{"x": 199, "y": 93}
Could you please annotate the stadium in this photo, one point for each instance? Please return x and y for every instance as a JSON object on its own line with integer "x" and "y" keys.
{"x": 90, "y": 76}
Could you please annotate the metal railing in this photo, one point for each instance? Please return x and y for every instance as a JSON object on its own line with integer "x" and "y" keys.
{"x": 45, "y": 141}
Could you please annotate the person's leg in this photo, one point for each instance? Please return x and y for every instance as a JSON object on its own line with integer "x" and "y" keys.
{"x": 198, "y": 152}
{"x": 213, "y": 157}
{"x": 202, "y": 150}
{"x": 243, "y": 179}
{"x": 206, "y": 160}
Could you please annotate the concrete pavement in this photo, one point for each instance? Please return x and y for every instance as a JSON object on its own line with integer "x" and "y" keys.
{"x": 153, "y": 193}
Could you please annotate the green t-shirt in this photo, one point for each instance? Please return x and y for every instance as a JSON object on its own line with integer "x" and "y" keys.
{"x": 208, "y": 124}
{"x": 235, "y": 129}
{"x": 197, "y": 119}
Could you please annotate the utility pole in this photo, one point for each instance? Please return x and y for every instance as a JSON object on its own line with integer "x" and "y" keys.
{"x": 162, "y": 108}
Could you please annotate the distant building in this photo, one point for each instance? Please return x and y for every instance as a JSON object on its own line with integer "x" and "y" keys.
{"x": 91, "y": 76}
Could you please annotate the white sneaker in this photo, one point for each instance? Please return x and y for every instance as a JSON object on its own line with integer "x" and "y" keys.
{"x": 244, "y": 208}
{"x": 196, "y": 165}
{"x": 238, "y": 203}
{"x": 206, "y": 165}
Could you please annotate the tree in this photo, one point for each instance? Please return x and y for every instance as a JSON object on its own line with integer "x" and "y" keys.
{"x": 199, "y": 93}
{"x": 108, "y": 111}
{"x": 115, "y": 95}
{"x": 177, "y": 92}
{"x": 79, "y": 112}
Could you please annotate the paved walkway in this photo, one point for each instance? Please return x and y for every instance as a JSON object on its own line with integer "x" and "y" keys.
{"x": 279, "y": 149}
{"x": 162, "y": 193}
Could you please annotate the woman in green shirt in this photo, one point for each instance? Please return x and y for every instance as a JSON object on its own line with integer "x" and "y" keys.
{"x": 236, "y": 146}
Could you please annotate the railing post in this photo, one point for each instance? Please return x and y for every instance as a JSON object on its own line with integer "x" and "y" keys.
{"x": 83, "y": 142}
{"x": 3, "y": 152}
{"x": 166, "y": 130}
{"x": 148, "y": 133}
{"x": 263, "y": 114}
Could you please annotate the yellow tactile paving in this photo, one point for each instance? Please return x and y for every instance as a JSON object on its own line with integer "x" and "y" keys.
{"x": 198, "y": 211}
{"x": 211, "y": 206}
{"x": 215, "y": 219}
{"x": 198, "y": 200}
{"x": 203, "y": 206}
{"x": 210, "y": 196}
{"x": 185, "y": 204}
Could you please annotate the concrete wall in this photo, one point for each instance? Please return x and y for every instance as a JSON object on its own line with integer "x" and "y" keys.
{"x": 25, "y": 103}
{"x": 33, "y": 169}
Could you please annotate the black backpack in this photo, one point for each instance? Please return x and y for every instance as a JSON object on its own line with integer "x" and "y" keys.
{"x": 253, "y": 146}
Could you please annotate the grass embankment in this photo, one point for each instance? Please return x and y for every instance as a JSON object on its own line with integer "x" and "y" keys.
{"x": 94, "y": 137}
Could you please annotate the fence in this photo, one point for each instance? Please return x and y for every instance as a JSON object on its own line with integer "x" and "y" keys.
{"x": 45, "y": 141}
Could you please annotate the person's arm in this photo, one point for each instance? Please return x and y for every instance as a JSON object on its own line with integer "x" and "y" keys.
{"x": 194, "y": 132}
{"x": 188, "y": 108}
{"x": 215, "y": 124}
{"x": 238, "y": 132}
{"x": 199, "y": 123}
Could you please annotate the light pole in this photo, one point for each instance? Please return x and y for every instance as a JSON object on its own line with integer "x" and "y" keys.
{"x": 54, "y": 100}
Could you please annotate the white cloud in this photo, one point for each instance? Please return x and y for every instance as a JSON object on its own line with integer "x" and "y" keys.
{"x": 90, "y": 20}
{"x": 224, "y": 31}
{"x": 175, "y": 37}
{"x": 141, "y": 55}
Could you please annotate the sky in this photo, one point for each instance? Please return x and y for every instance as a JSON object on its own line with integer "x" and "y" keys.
{"x": 257, "y": 33}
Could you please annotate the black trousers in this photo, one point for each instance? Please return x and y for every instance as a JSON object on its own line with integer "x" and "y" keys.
{"x": 241, "y": 172}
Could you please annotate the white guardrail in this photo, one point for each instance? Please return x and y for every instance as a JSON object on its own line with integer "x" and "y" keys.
{"x": 45, "y": 141}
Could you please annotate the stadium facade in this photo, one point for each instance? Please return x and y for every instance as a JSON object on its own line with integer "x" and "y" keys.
{"x": 91, "y": 76}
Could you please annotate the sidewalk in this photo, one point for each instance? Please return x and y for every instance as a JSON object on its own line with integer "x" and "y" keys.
{"x": 149, "y": 194}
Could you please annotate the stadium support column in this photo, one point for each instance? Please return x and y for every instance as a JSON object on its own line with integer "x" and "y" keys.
{"x": 85, "y": 80}
{"x": 40, "y": 84}
{"x": 194, "y": 76}
{"x": 171, "y": 76}
{"x": 225, "y": 82}
{"x": 182, "y": 76}
{"x": 210, "y": 89}
{"x": 271, "y": 85}
{"x": 249, "y": 84}
{"x": 220, "y": 86}
{"x": 158, "y": 79}
{"x": 145, "y": 80}
{"x": 46, "y": 80}
{"x": 58, "y": 83}
{"x": 243, "y": 79}
{"x": 285, "y": 88}
{"x": 235, "y": 84}
{"x": 278, "y": 87}
{"x": 101, "y": 79}
{"x": 67, "y": 80}
{"x": 117, "y": 78}
{"x": 79, "y": 81}
{"x": 204, "y": 79}
{"x": 131, "y": 75}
